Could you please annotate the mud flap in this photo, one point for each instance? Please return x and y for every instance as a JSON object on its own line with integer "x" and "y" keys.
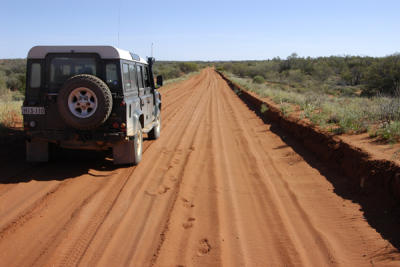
{"x": 37, "y": 151}
{"x": 124, "y": 153}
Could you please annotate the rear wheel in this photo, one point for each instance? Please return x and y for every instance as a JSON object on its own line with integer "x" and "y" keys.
{"x": 138, "y": 146}
{"x": 129, "y": 152}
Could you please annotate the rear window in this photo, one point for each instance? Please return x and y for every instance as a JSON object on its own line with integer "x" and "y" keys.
{"x": 36, "y": 74}
{"x": 62, "y": 68}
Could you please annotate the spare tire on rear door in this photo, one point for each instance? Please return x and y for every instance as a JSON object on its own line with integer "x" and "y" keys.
{"x": 84, "y": 102}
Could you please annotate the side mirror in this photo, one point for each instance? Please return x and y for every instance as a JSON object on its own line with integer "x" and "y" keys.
{"x": 159, "y": 80}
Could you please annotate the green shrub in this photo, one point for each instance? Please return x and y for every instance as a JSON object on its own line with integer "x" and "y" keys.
{"x": 264, "y": 108}
{"x": 383, "y": 76}
{"x": 286, "y": 109}
{"x": 352, "y": 123}
{"x": 172, "y": 69}
{"x": 187, "y": 67}
{"x": 390, "y": 131}
{"x": 258, "y": 79}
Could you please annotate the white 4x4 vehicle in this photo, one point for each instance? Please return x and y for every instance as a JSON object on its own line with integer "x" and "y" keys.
{"x": 90, "y": 97}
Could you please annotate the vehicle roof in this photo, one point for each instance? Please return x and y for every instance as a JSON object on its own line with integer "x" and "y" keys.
{"x": 105, "y": 52}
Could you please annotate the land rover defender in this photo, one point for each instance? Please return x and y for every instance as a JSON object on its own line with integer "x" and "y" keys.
{"x": 90, "y": 97}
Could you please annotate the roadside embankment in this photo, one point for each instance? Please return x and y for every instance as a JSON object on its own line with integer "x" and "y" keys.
{"x": 367, "y": 174}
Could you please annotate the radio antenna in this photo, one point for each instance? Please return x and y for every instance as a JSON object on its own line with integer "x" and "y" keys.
{"x": 152, "y": 48}
{"x": 119, "y": 18}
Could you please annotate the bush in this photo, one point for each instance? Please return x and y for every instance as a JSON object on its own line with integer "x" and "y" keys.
{"x": 264, "y": 108}
{"x": 389, "y": 109}
{"x": 383, "y": 77}
{"x": 171, "y": 70}
{"x": 12, "y": 74}
{"x": 296, "y": 76}
{"x": 390, "y": 132}
{"x": 286, "y": 109}
{"x": 258, "y": 79}
{"x": 187, "y": 67}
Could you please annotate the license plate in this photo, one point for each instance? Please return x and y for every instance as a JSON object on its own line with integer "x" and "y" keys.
{"x": 33, "y": 110}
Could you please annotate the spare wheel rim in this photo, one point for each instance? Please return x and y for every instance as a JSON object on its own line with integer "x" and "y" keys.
{"x": 82, "y": 102}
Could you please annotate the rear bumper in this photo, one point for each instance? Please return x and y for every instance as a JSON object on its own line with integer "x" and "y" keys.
{"x": 77, "y": 140}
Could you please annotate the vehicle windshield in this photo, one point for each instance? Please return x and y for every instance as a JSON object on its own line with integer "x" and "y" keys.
{"x": 61, "y": 68}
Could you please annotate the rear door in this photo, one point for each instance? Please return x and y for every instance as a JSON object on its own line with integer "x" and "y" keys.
{"x": 131, "y": 95}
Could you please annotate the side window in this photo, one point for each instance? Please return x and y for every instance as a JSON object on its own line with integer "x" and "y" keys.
{"x": 111, "y": 74}
{"x": 139, "y": 75}
{"x": 146, "y": 77}
{"x": 125, "y": 76}
{"x": 132, "y": 74}
{"x": 36, "y": 73}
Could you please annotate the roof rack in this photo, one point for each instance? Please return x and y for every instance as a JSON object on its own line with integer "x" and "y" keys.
{"x": 105, "y": 52}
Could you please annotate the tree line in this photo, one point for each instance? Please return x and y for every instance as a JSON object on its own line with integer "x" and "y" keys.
{"x": 369, "y": 75}
{"x": 372, "y": 75}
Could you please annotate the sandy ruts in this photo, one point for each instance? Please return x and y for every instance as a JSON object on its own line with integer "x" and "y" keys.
{"x": 217, "y": 189}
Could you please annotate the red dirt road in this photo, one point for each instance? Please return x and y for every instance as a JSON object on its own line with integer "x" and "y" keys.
{"x": 219, "y": 188}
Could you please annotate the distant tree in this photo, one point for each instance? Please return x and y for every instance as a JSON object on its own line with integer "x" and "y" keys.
{"x": 13, "y": 83}
{"x": 296, "y": 76}
{"x": 383, "y": 76}
{"x": 322, "y": 71}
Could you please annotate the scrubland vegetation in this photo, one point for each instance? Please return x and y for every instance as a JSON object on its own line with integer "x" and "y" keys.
{"x": 173, "y": 70}
{"x": 12, "y": 75}
{"x": 12, "y": 88}
{"x": 340, "y": 94}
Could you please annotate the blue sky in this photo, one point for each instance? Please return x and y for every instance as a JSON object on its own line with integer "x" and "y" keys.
{"x": 205, "y": 30}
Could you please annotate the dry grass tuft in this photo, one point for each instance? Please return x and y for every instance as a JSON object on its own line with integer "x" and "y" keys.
{"x": 10, "y": 111}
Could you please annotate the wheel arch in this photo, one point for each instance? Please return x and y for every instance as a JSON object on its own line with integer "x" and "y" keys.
{"x": 138, "y": 120}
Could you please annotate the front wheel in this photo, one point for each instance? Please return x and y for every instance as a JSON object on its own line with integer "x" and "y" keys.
{"x": 155, "y": 132}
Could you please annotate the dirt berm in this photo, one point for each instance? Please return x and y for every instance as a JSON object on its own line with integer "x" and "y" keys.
{"x": 367, "y": 174}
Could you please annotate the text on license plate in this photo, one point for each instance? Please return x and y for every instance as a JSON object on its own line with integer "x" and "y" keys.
{"x": 33, "y": 110}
